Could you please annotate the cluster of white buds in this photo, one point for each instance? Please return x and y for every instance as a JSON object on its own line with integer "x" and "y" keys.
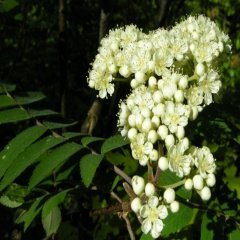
{"x": 173, "y": 75}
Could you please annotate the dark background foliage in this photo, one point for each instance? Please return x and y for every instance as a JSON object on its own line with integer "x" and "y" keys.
{"x": 38, "y": 53}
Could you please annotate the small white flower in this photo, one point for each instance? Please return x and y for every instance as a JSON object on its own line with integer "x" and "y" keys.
{"x": 178, "y": 162}
{"x": 141, "y": 149}
{"x": 153, "y": 213}
{"x": 204, "y": 161}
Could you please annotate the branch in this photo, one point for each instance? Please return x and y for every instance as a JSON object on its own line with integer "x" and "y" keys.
{"x": 122, "y": 174}
{"x": 120, "y": 207}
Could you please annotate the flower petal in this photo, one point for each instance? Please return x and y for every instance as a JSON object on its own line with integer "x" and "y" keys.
{"x": 146, "y": 226}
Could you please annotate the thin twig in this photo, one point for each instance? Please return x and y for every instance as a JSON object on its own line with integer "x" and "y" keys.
{"x": 129, "y": 227}
{"x": 129, "y": 191}
{"x": 122, "y": 174}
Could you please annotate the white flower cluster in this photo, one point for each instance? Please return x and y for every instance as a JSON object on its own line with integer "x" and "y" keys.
{"x": 153, "y": 209}
{"x": 173, "y": 76}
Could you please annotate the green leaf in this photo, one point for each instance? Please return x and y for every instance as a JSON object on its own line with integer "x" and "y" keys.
{"x": 71, "y": 134}
{"x": 64, "y": 175}
{"x": 113, "y": 142}
{"x": 5, "y": 87}
{"x": 7, "y": 202}
{"x": 53, "y": 202}
{"x": 30, "y": 97}
{"x": 117, "y": 158}
{"x": 16, "y": 192}
{"x": 234, "y": 184}
{"x": 52, "y": 160}
{"x": 206, "y": 232}
{"x": 88, "y": 166}
{"x": 28, "y": 216}
{"x": 8, "y": 5}
{"x": 68, "y": 232}
{"x": 167, "y": 177}
{"x": 87, "y": 140}
{"x": 54, "y": 125}
{"x": 52, "y": 222}
{"x": 176, "y": 221}
{"x": 183, "y": 193}
{"x": 38, "y": 113}
{"x": 146, "y": 237}
{"x": 13, "y": 115}
{"x": 18, "y": 145}
{"x": 6, "y": 101}
{"x": 28, "y": 157}
{"x": 235, "y": 234}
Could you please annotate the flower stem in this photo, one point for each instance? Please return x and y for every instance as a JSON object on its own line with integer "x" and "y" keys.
{"x": 174, "y": 185}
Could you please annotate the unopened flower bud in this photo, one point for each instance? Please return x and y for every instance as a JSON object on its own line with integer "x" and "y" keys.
{"x": 162, "y": 132}
{"x": 183, "y": 82}
{"x": 174, "y": 206}
{"x": 169, "y": 195}
{"x": 211, "y": 180}
{"x": 134, "y": 83}
{"x": 132, "y": 120}
{"x": 153, "y": 155}
{"x": 198, "y": 182}
{"x": 188, "y": 184}
{"x": 152, "y": 136}
{"x": 205, "y": 193}
{"x": 163, "y": 163}
{"x": 138, "y": 185}
{"x": 155, "y": 121}
{"x": 124, "y": 71}
{"x": 136, "y": 204}
{"x": 149, "y": 189}
{"x": 169, "y": 140}
{"x": 200, "y": 69}
{"x": 152, "y": 82}
{"x": 132, "y": 133}
{"x": 179, "y": 96}
{"x": 140, "y": 77}
{"x": 180, "y": 132}
{"x": 146, "y": 125}
{"x": 157, "y": 96}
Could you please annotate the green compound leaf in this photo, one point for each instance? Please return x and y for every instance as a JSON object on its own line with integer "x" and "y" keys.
{"x": 176, "y": 221}
{"x": 52, "y": 160}
{"x": 113, "y": 142}
{"x": 18, "y": 145}
{"x": 88, "y": 166}
{"x": 52, "y": 221}
{"x": 206, "y": 232}
{"x": 28, "y": 157}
